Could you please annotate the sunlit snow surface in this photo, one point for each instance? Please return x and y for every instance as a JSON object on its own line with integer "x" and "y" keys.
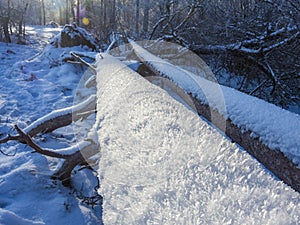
{"x": 161, "y": 164}
{"x": 33, "y": 84}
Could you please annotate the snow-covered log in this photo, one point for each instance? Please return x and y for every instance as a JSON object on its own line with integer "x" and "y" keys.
{"x": 62, "y": 117}
{"x": 56, "y": 119}
{"x": 245, "y": 119}
{"x": 161, "y": 163}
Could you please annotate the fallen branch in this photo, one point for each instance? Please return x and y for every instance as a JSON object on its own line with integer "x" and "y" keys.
{"x": 56, "y": 119}
{"x": 112, "y": 43}
{"x": 79, "y": 59}
{"x": 62, "y": 117}
{"x": 52, "y": 121}
{"x": 10, "y": 138}
{"x": 37, "y": 148}
{"x": 80, "y": 157}
{"x": 73, "y": 159}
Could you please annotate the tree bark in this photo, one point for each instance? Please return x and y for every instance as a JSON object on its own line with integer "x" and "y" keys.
{"x": 6, "y": 30}
{"x": 137, "y": 16}
{"x": 67, "y": 12}
{"x": 43, "y": 12}
{"x": 146, "y": 17}
{"x": 6, "y": 24}
{"x": 78, "y": 13}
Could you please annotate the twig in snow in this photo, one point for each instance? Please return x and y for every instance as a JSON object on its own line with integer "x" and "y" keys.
{"x": 78, "y": 58}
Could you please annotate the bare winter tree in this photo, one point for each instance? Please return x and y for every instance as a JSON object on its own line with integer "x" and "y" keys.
{"x": 5, "y": 19}
{"x": 257, "y": 41}
{"x": 14, "y": 15}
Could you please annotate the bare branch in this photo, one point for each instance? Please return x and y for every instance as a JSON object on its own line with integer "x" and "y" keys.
{"x": 191, "y": 12}
{"x": 10, "y": 138}
{"x": 258, "y": 87}
{"x": 112, "y": 43}
{"x": 157, "y": 24}
{"x": 281, "y": 43}
{"x": 240, "y": 47}
{"x": 78, "y": 58}
{"x": 37, "y": 148}
{"x": 79, "y": 157}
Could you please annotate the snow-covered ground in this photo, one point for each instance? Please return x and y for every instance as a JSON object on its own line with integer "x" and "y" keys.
{"x": 35, "y": 82}
{"x": 275, "y": 127}
{"x": 162, "y": 164}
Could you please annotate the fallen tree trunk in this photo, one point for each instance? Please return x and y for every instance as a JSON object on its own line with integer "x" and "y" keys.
{"x": 161, "y": 161}
{"x": 273, "y": 160}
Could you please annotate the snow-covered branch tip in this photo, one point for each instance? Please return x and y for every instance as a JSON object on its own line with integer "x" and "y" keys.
{"x": 5, "y": 140}
{"x": 113, "y": 41}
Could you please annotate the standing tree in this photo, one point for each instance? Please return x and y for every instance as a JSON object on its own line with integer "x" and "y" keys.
{"x": 137, "y": 16}
{"x": 5, "y": 21}
{"x": 43, "y": 12}
{"x": 146, "y": 9}
{"x": 78, "y": 12}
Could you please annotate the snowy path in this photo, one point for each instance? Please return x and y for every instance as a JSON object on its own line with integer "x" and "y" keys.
{"x": 31, "y": 86}
{"x": 161, "y": 164}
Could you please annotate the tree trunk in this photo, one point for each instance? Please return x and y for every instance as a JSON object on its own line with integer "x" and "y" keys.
{"x": 146, "y": 17}
{"x": 104, "y": 13}
{"x": 113, "y": 15}
{"x": 78, "y": 12}
{"x": 67, "y": 11}
{"x": 6, "y": 24}
{"x": 60, "y": 15}
{"x": 21, "y": 22}
{"x": 6, "y": 30}
{"x": 137, "y": 16}
{"x": 43, "y": 12}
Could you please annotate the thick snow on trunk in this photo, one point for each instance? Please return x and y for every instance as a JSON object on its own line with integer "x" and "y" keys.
{"x": 162, "y": 164}
{"x": 275, "y": 127}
